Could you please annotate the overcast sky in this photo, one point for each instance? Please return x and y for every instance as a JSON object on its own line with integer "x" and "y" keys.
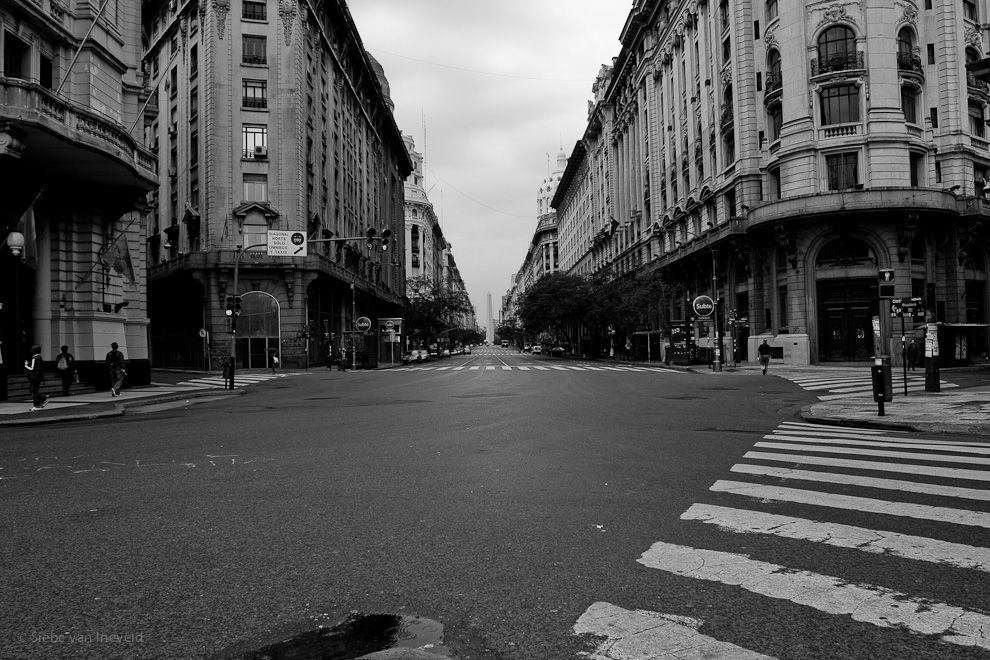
{"x": 499, "y": 85}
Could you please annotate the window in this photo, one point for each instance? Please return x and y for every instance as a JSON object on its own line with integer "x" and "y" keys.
{"x": 782, "y": 307}
{"x": 930, "y": 48}
{"x": 194, "y": 102}
{"x": 917, "y": 169}
{"x": 255, "y": 94}
{"x": 843, "y": 171}
{"x": 909, "y": 104}
{"x": 977, "y": 126}
{"x": 255, "y": 49}
{"x": 726, "y": 50}
{"x": 773, "y": 183}
{"x": 254, "y": 137}
{"x": 46, "y": 73}
{"x": 840, "y": 105}
{"x": 775, "y": 120}
{"x": 254, "y": 11}
{"x": 771, "y": 10}
{"x": 774, "y": 80}
{"x": 16, "y": 57}
{"x": 969, "y": 9}
{"x": 837, "y": 51}
{"x": 256, "y": 187}
{"x": 255, "y": 230}
{"x": 193, "y": 60}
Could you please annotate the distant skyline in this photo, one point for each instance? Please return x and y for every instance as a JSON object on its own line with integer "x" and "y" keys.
{"x": 498, "y": 89}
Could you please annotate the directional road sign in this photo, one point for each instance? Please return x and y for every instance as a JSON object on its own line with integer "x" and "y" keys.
{"x": 286, "y": 243}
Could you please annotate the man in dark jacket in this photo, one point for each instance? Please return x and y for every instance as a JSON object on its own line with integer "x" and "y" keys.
{"x": 36, "y": 375}
{"x": 115, "y": 361}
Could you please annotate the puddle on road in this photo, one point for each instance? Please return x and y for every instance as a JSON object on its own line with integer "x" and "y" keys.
{"x": 358, "y": 635}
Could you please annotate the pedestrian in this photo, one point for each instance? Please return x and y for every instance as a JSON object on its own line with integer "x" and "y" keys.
{"x": 912, "y": 355}
{"x": 274, "y": 360}
{"x": 342, "y": 365}
{"x": 764, "y": 351}
{"x": 65, "y": 366}
{"x": 36, "y": 375}
{"x": 115, "y": 362}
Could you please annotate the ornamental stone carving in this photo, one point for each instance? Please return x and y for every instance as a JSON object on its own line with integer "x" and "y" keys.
{"x": 973, "y": 37}
{"x": 836, "y": 13}
{"x": 287, "y": 13}
{"x": 771, "y": 40}
{"x": 221, "y": 8}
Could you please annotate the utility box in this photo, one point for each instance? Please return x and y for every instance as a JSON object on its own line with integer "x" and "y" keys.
{"x": 883, "y": 389}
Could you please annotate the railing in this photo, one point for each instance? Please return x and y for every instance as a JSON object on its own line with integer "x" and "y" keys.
{"x": 979, "y": 143}
{"x": 252, "y": 102}
{"x": 254, "y": 59}
{"x": 909, "y": 62}
{"x": 842, "y": 130}
{"x": 773, "y": 82}
{"x": 837, "y": 63}
{"x": 727, "y": 118}
{"x": 915, "y": 131}
{"x": 975, "y": 83}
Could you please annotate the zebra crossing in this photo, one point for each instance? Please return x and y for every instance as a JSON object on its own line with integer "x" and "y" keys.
{"x": 793, "y": 465}
{"x": 845, "y": 384}
{"x": 506, "y": 367}
{"x": 241, "y": 380}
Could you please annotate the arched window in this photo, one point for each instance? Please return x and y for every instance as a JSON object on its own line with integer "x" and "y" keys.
{"x": 771, "y": 10}
{"x": 774, "y": 78}
{"x": 837, "y": 50}
{"x": 905, "y": 42}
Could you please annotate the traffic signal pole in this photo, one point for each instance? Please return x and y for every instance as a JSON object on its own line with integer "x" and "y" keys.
{"x": 236, "y": 312}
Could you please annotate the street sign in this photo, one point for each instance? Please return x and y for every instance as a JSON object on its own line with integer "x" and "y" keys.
{"x": 362, "y": 324}
{"x": 899, "y": 308}
{"x": 386, "y": 326}
{"x": 703, "y": 306}
{"x": 286, "y": 243}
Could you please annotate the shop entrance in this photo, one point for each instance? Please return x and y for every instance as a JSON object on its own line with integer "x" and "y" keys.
{"x": 845, "y": 320}
{"x": 257, "y": 330}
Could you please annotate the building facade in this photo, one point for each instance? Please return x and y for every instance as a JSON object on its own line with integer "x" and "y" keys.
{"x": 777, "y": 156}
{"x": 268, "y": 117}
{"x": 75, "y": 171}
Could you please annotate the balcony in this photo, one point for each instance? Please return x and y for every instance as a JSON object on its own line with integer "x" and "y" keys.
{"x": 727, "y": 119}
{"x": 838, "y": 131}
{"x": 975, "y": 83}
{"x": 774, "y": 84}
{"x": 910, "y": 63}
{"x": 837, "y": 63}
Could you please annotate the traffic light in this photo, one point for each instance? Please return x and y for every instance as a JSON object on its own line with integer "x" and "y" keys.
{"x": 885, "y": 283}
{"x": 237, "y": 305}
{"x": 229, "y": 309}
{"x": 370, "y": 234}
{"x": 386, "y": 234}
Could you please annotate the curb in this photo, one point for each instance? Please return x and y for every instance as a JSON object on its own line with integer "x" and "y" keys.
{"x": 119, "y": 409}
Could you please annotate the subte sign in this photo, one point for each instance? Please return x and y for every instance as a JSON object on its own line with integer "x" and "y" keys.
{"x": 362, "y": 324}
{"x": 703, "y": 306}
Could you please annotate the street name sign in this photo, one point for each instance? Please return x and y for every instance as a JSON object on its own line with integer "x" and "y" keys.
{"x": 286, "y": 243}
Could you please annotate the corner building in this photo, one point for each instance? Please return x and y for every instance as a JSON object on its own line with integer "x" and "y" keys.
{"x": 268, "y": 116}
{"x": 793, "y": 149}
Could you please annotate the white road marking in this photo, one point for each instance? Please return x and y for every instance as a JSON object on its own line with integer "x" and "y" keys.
{"x": 941, "y": 458}
{"x": 868, "y": 482}
{"x": 900, "y": 443}
{"x": 881, "y": 607}
{"x": 853, "y": 503}
{"x": 743, "y": 521}
{"x": 949, "y": 473}
{"x": 645, "y": 635}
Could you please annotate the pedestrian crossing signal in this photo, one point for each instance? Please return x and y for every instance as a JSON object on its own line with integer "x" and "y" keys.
{"x": 885, "y": 284}
{"x": 237, "y": 305}
{"x": 229, "y": 309}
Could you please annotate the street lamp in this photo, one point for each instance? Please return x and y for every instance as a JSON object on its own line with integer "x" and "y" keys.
{"x": 15, "y": 241}
{"x": 717, "y": 358}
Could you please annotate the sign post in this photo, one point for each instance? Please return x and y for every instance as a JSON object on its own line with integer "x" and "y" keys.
{"x": 704, "y": 307}
{"x": 899, "y": 308}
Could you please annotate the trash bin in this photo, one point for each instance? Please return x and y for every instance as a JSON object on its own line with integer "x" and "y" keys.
{"x": 883, "y": 389}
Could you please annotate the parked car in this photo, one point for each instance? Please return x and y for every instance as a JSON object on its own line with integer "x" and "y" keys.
{"x": 537, "y": 349}
{"x": 527, "y": 348}
{"x": 467, "y": 350}
{"x": 557, "y": 351}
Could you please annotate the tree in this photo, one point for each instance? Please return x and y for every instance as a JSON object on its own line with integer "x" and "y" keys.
{"x": 433, "y": 308}
{"x": 553, "y": 302}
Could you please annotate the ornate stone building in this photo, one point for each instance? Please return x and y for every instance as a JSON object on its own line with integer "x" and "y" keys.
{"x": 776, "y": 155}
{"x": 268, "y": 116}
{"x": 74, "y": 174}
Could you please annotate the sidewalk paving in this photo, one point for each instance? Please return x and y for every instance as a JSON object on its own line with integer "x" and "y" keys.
{"x": 963, "y": 411}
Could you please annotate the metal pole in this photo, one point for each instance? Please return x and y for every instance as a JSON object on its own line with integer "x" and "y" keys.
{"x": 353, "y": 319}
{"x": 75, "y": 56}
{"x": 17, "y": 314}
{"x": 903, "y": 354}
{"x": 717, "y": 362}
{"x": 233, "y": 316}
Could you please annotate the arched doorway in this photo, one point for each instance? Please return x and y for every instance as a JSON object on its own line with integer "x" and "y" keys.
{"x": 258, "y": 330}
{"x": 846, "y": 271}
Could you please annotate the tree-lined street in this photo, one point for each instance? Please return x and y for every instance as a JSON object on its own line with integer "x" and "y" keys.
{"x": 519, "y": 508}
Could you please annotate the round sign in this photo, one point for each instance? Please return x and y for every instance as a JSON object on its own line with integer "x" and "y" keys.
{"x": 363, "y": 324}
{"x": 298, "y": 238}
{"x": 202, "y": 332}
{"x": 389, "y": 324}
{"x": 703, "y": 306}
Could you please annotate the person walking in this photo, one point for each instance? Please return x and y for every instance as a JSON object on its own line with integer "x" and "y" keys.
{"x": 115, "y": 361}
{"x": 65, "y": 367}
{"x": 36, "y": 375}
{"x": 274, "y": 360}
{"x": 342, "y": 365}
{"x": 764, "y": 351}
{"x": 912, "y": 355}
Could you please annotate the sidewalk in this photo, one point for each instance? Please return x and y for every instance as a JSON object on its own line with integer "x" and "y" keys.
{"x": 965, "y": 411}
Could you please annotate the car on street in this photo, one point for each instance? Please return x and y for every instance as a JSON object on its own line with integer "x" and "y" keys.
{"x": 537, "y": 349}
{"x": 527, "y": 348}
{"x": 557, "y": 351}
{"x": 467, "y": 350}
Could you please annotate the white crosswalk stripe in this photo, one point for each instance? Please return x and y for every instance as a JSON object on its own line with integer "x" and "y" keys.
{"x": 843, "y": 385}
{"x": 807, "y": 459}
{"x": 240, "y": 380}
{"x": 552, "y": 367}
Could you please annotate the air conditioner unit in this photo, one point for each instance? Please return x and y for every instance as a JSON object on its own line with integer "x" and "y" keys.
{"x": 260, "y": 152}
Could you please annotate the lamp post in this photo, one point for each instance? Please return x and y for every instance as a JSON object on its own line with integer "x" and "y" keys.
{"x": 717, "y": 358}
{"x": 15, "y": 241}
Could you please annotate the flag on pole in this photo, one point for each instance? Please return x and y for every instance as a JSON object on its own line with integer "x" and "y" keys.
{"x": 26, "y": 227}
{"x": 116, "y": 257}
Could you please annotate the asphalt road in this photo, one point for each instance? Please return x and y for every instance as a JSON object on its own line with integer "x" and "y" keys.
{"x": 518, "y": 508}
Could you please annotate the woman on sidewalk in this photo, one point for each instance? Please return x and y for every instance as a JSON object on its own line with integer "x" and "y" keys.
{"x": 36, "y": 375}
